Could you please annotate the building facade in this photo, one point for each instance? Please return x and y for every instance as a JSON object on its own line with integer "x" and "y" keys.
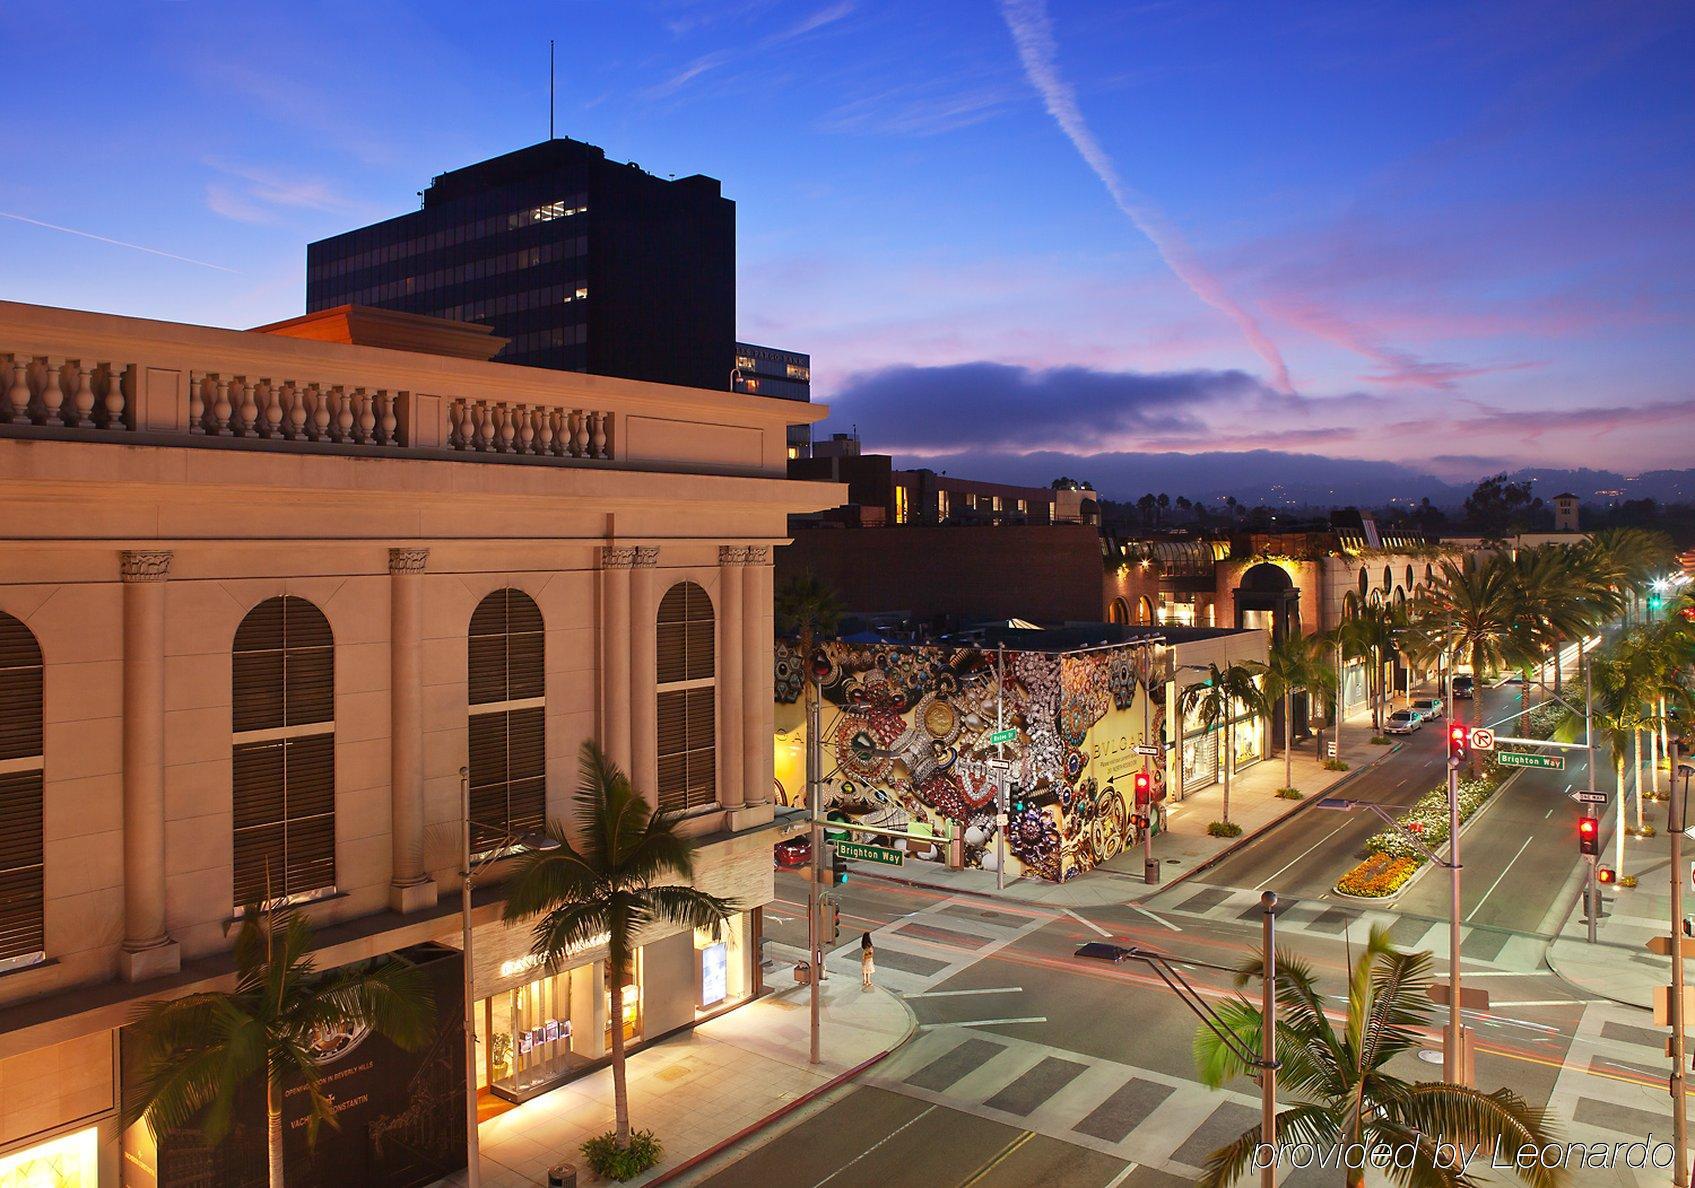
{"x": 786, "y": 375}
{"x": 582, "y": 263}
{"x": 265, "y": 602}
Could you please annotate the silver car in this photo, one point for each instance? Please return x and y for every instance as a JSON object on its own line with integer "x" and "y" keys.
{"x": 1428, "y": 708}
{"x": 1403, "y": 722}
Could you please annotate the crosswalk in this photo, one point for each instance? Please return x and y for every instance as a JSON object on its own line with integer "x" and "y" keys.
{"x": 924, "y": 949}
{"x": 1339, "y": 920}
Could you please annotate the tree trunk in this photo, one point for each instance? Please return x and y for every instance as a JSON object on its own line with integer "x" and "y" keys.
{"x": 274, "y": 1132}
{"x": 1636, "y": 773}
{"x": 1229, "y": 755}
{"x": 1618, "y": 832}
{"x": 620, "y": 1087}
{"x": 1341, "y": 701}
{"x": 1288, "y": 739}
{"x": 1524, "y": 705}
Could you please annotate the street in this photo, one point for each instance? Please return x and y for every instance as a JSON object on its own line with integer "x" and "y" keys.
{"x": 1032, "y": 1066}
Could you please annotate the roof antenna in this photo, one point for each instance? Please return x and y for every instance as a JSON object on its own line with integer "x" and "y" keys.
{"x": 550, "y": 88}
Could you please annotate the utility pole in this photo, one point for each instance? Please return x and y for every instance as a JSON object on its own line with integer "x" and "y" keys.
{"x": 1455, "y": 1049}
{"x": 1677, "y": 822}
{"x": 1591, "y": 894}
{"x": 1002, "y": 771}
{"x": 814, "y": 926}
{"x": 1268, "y": 1040}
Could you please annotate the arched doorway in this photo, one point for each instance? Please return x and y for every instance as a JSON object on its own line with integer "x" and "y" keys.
{"x": 1145, "y": 611}
{"x": 1118, "y": 612}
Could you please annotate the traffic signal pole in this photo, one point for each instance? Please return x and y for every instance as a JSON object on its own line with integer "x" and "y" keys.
{"x": 814, "y": 790}
{"x": 1592, "y": 892}
{"x": 1458, "y": 1041}
{"x": 1676, "y": 821}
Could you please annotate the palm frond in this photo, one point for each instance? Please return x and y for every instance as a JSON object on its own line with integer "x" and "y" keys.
{"x": 391, "y": 996}
{"x": 1461, "y": 1114}
{"x": 689, "y": 907}
{"x": 541, "y": 878}
{"x": 571, "y": 926}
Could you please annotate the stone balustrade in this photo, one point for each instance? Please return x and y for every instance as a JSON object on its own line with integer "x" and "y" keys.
{"x": 516, "y": 427}
{"x": 292, "y": 410}
{"x": 76, "y": 394}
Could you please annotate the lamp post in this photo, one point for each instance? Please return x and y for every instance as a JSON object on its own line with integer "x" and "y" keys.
{"x": 467, "y": 875}
{"x": 1678, "y": 821}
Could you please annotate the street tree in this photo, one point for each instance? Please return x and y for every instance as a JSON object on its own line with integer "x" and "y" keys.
{"x": 1499, "y": 508}
{"x": 195, "y": 1054}
{"x": 1297, "y": 662}
{"x": 1347, "y": 1093}
{"x": 601, "y": 880}
{"x": 1227, "y": 693}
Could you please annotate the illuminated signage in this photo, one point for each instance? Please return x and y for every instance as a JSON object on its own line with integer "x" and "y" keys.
{"x": 529, "y": 961}
{"x": 714, "y": 974}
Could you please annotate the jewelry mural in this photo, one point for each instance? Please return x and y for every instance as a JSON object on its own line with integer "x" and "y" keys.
{"x": 906, "y": 746}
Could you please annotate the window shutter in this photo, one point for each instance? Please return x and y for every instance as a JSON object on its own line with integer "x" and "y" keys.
{"x": 507, "y": 662}
{"x": 21, "y": 928}
{"x": 20, "y": 691}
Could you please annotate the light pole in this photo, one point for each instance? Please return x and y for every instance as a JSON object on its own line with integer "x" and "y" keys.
{"x": 1678, "y": 821}
{"x": 1592, "y": 898}
{"x": 1003, "y": 771}
{"x": 467, "y": 875}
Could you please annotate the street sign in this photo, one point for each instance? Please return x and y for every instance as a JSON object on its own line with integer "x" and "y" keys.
{"x": 1471, "y": 998}
{"x": 1660, "y": 946}
{"x": 1331, "y": 747}
{"x": 1586, "y": 797}
{"x": 1662, "y": 1004}
{"x": 865, "y": 853}
{"x": 1147, "y": 748}
{"x": 1521, "y": 759}
{"x": 1003, "y": 736}
{"x": 1484, "y": 740}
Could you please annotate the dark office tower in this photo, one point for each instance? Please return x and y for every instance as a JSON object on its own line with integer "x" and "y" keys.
{"x": 584, "y": 264}
{"x": 787, "y": 375}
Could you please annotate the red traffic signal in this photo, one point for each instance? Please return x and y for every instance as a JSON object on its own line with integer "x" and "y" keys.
{"x": 1605, "y": 875}
{"x": 1143, "y": 787}
{"x": 1589, "y": 836}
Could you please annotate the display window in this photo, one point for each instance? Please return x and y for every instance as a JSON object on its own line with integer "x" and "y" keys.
{"x": 69, "y": 1161}
{"x": 536, "y": 1032}
{"x": 632, "y": 1004}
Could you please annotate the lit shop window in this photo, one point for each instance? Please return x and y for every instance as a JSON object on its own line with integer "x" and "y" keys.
{"x": 69, "y": 1161}
{"x": 942, "y": 500}
{"x": 797, "y": 372}
{"x": 746, "y": 363}
{"x": 903, "y": 510}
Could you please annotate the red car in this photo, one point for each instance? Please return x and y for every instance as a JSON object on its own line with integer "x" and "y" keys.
{"x": 796, "y": 851}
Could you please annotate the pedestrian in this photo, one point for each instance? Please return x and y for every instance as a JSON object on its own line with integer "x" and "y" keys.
{"x": 865, "y": 961}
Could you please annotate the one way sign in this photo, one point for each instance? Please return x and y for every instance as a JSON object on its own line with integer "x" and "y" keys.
{"x": 1589, "y": 797}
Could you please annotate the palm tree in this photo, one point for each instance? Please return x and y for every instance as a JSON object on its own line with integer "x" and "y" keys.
{"x": 1225, "y": 694}
{"x": 807, "y": 607}
{"x": 1628, "y": 558}
{"x": 195, "y": 1053}
{"x": 1347, "y": 1095}
{"x": 1619, "y": 690}
{"x": 605, "y": 884}
{"x": 1296, "y": 662}
{"x": 1555, "y": 601}
{"x": 1367, "y": 633}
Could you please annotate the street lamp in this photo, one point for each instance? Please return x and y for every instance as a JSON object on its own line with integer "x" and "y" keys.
{"x": 1265, "y": 1060}
{"x": 509, "y": 844}
{"x": 1677, "y": 821}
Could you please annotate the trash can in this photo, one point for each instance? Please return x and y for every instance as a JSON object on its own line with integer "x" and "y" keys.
{"x": 803, "y": 973}
{"x": 562, "y": 1176}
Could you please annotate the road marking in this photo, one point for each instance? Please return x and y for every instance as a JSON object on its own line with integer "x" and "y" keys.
{"x": 1121, "y": 1176}
{"x": 985, "y": 1022}
{"x": 1511, "y": 973}
{"x": 872, "y": 1147}
{"x": 1497, "y": 882}
{"x": 1154, "y": 918}
{"x": 1005, "y": 1153}
{"x": 1303, "y": 854}
{"x": 1547, "y": 1002}
{"x": 1099, "y": 931}
{"x": 954, "y": 993}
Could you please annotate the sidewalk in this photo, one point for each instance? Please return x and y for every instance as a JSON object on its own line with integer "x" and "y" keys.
{"x": 702, "y": 1088}
{"x": 1185, "y": 847}
{"x": 1618, "y": 965}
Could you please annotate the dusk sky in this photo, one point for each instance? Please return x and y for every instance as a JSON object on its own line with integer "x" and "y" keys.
{"x": 1459, "y": 237}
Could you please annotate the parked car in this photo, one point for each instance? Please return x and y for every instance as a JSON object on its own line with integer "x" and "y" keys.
{"x": 1428, "y": 708}
{"x": 796, "y": 851}
{"x": 1403, "y": 721}
{"x": 1465, "y": 687}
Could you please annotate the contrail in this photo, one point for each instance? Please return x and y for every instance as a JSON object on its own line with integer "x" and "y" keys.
{"x": 1032, "y": 32}
{"x": 6, "y": 214}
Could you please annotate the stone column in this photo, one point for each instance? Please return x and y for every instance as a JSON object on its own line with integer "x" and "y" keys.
{"x": 410, "y": 889}
{"x": 758, "y": 710}
{"x": 732, "y": 778}
{"x": 644, "y": 675}
{"x": 615, "y": 566}
{"x": 148, "y": 950}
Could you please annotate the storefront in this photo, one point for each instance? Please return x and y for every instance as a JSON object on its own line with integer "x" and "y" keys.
{"x": 539, "y": 1030}
{"x": 1203, "y": 748}
{"x": 68, "y": 1161}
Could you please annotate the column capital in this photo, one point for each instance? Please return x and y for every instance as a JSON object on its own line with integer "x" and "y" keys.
{"x": 407, "y": 560}
{"x": 617, "y": 557}
{"x": 145, "y": 565}
{"x": 756, "y": 555}
{"x": 646, "y": 556}
{"x": 732, "y": 555}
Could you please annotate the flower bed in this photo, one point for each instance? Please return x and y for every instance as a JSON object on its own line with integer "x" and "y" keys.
{"x": 1378, "y": 877}
{"x": 1392, "y": 857}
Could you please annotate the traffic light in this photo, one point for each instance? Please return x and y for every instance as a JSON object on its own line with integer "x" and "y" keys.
{"x": 1588, "y": 836}
{"x": 838, "y": 870}
{"x": 1144, "y": 789}
{"x": 1017, "y": 801}
{"x": 1605, "y": 875}
{"x": 1458, "y": 737}
{"x": 835, "y": 922}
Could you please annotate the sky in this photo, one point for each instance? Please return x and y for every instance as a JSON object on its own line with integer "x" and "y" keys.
{"x": 1453, "y": 237}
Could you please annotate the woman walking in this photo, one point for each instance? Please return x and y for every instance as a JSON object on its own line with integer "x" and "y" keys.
{"x": 865, "y": 961}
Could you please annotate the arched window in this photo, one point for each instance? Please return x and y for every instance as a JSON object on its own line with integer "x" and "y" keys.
{"x": 1412, "y": 579}
{"x": 1119, "y": 612}
{"x": 508, "y": 725}
{"x": 1388, "y": 579}
{"x": 283, "y": 784}
{"x": 1365, "y": 582}
{"x": 688, "y": 694}
{"x": 1144, "y": 611}
{"x": 22, "y": 935}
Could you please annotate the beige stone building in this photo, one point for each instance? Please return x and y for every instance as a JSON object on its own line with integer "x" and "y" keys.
{"x": 262, "y": 597}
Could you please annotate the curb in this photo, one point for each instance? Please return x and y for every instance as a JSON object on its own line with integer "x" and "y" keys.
{"x": 1553, "y": 967}
{"x": 1310, "y": 802}
{"x": 790, "y": 1107}
{"x": 1426, "y": 866}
